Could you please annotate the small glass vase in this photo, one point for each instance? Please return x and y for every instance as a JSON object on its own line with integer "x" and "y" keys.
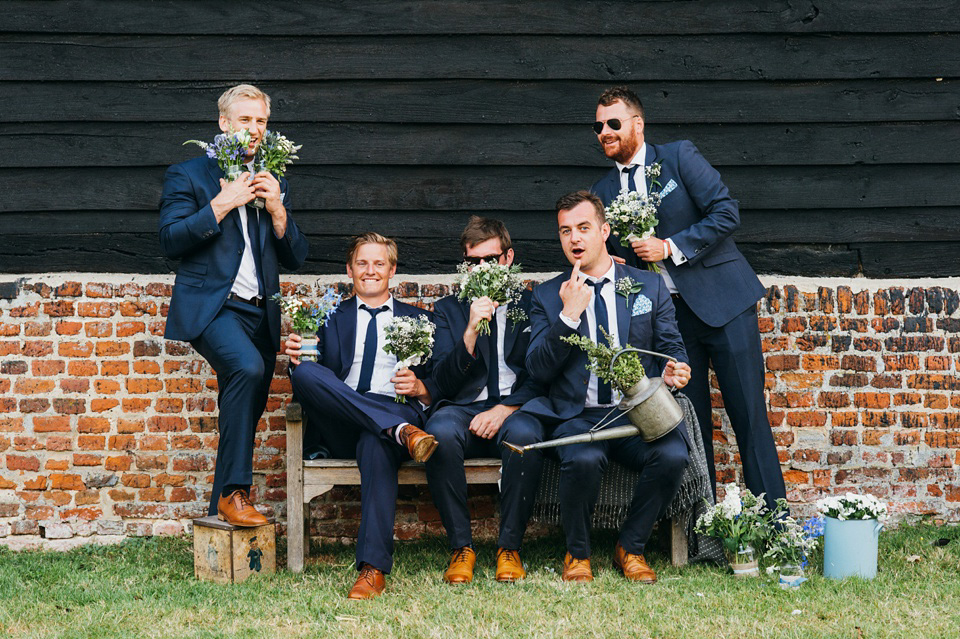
{"x": 308, "y": 347}
{"x": 231, "y": 173}
{"x": 744, "y": 562}
{"x": 791, "y": 576}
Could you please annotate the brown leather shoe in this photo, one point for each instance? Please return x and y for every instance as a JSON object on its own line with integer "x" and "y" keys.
{"x": 633, "y": 567}
{"x": 460, "y": 570}
{"x": 576, "y": 569}
{"x": 419, "y": 444}
{"x": 509, "y": 566}
{"x": 370, "y": 583}
{"x": 236, "y": 509}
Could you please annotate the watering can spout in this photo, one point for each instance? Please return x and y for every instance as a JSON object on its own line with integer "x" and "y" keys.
{"x": 517, "y": 449}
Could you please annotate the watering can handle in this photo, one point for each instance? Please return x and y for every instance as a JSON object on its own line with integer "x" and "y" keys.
{"x": 639, "y": 350}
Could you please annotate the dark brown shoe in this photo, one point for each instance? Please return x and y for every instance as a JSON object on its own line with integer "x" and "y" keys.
{"x": 509, "y": 566}
{"x": 236, "y": 510}
{"x": 576, "y": 569}
{"x": 460, "y": 570}
{"x": 370, "y": 583}
{"x": 419, "y": 444}
{"x": 633, "y": 567}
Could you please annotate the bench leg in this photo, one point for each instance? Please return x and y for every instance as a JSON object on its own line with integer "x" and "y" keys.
{"x": 678, "y": 542}
{"x": 296, "y": 509}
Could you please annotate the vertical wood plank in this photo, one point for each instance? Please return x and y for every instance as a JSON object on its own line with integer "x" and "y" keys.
{"x": 296, "y": 511}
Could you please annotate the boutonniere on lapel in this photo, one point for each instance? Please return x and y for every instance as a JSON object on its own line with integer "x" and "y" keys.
{"x": 633, "y": 216}
{"x": 627, "y": 286}
{"x": 516, "y": 315}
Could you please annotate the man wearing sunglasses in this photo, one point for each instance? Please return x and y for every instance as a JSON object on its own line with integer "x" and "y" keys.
{"x": 481, "y": 381}
{"x": 713, "y": 287}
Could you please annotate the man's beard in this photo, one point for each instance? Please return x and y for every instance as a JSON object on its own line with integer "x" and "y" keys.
{"x": 628, "y": 149}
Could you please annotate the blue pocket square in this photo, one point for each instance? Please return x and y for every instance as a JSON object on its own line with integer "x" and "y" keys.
{"x": 671, "y": 185}
{"x": 641, "y": 305}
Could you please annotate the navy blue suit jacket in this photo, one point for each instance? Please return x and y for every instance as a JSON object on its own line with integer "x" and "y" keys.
{"x": 562, "y": 367}
{"x": 336, "y": 341}
{"x": 458, "y": 377}
{"x": 210, "y": 253}
{"x": 699, "y": 215}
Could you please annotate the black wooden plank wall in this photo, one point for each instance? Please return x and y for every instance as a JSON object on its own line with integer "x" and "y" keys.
{"x": 836, "y": 124}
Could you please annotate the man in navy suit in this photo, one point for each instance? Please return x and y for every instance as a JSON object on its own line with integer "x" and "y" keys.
{"x": 714, "y": 289}
{"x": 480, "y": 382}
{"x": 229, "y": 255}
{"x": 349, "y": 397}
{"x": 578, "y": 302}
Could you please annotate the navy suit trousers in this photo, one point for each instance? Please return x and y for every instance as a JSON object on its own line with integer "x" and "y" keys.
{"x": 238, "y": 345}
{"x": 448, "y": 482}
{"x": 660, "y": 463}
{"x": 355, "y": 424}
{"x": 735, "y": 353}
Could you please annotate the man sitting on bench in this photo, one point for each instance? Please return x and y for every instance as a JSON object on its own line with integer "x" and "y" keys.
{"x": 349, "y": 399}
{"x": 480, "y": 383}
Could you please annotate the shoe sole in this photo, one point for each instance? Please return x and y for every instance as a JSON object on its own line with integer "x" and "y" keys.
{"x": 619, "y": 569}
{"x": 222, "y": 518}
{"x": 424, "y": 449}
{"x": 509, "y": 580}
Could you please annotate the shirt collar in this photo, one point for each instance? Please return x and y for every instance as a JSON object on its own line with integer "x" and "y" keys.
{"x": 639, "y": 159}
{"x": 610, "y": 275}
{"x": 388, "y": 303}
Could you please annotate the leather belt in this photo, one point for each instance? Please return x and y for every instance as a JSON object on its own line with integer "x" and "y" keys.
{"x": 256, "y": 301}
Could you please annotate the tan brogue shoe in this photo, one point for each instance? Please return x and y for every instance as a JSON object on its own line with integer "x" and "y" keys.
{"x": 576, "y": 569}
{"x": 460, "y": 570}
{"x": 370, "y": 583}
{"x": 509, "y": 566}
{"x": 236, "y": 509}
{"x": 419, "y": 444}
{"x": 633, "y": 567}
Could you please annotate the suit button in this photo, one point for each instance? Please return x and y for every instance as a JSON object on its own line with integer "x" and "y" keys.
{"x": 585, "y": 381}
{"x": 240, "y": 251}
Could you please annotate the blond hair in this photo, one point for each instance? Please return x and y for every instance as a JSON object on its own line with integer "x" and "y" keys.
{"x": 372, "y": 238}
{"x": 241, "y": 92}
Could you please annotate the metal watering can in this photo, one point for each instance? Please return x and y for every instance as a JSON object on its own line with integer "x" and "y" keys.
{"x": 650, "y": 406}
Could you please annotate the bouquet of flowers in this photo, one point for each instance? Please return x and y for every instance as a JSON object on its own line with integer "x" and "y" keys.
{"x": 792, "y": 542}
{"x": 741, "y": 520}
{"x": 276, "y": 152}
{"x": 853, "y": 506}
{"x": 229, "y": 150}
{"x": 499, "y": 282}
{"x": 410, "y": 339}
{"x": 627, "y": 370}
{"x": 307, "y": 317}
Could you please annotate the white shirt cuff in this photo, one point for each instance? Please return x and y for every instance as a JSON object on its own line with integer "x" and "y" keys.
{"x": 569, "y": 322}
{"x": 675, "y": 253}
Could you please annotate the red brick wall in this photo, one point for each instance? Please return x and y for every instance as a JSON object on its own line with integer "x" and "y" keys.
{"x": 107, "y": 430}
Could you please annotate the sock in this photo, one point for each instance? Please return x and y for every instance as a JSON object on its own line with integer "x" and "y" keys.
{"x": 397, "y": 431}
{"x": 229, "y": 488}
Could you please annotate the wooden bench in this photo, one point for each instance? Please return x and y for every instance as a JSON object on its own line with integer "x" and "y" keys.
{"x": 307, "y": 479}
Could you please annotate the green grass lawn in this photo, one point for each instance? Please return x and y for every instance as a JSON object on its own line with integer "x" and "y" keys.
{"x": 145, "y": 588}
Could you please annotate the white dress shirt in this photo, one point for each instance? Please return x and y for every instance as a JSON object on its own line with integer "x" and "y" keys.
{"x": 506, "y": 377}
{"x": 640, "y": 181}
{"x": 245, "y": 285}
{"x": 384, "y": 362}
{"x": 609, "y": 296}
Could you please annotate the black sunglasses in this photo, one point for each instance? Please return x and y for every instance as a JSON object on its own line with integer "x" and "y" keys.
{"x": 613, "y": 123}
{"x": 474, "y": 261}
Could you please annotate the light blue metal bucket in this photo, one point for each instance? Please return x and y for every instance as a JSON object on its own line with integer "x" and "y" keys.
{"x": 850, "y": 548}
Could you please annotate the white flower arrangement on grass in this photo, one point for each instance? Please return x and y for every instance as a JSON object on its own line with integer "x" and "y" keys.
{"x": 501, "y": 283}
{"x": 410, "y": 339}
{"x": 853, "y": 506}
{"x": 741, "y": 519}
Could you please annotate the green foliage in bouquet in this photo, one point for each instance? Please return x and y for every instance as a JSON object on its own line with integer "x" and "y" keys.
{"x": 627, "y": 370}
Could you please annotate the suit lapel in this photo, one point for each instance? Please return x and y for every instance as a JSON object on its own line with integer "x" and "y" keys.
{"x": 623, "y": 309}
{"x": 346, "y": 321}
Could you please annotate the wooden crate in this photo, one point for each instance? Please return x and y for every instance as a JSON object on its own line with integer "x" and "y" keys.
{"x": 229, "y": 554}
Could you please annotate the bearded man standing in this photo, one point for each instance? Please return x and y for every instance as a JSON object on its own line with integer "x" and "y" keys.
{"x": 713, "y": 287}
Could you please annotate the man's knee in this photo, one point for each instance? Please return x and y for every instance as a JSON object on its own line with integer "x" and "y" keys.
{"x": 583, "y": 462}
{"x": 448, "y": 426}
{"x": 521, "y": 429}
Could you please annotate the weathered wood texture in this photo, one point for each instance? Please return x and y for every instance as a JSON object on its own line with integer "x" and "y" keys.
{"x": 835, "y": 124}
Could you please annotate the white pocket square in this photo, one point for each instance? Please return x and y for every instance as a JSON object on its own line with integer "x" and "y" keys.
{"x": 641, "y": 305}
{"x": 526, "y": 330}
